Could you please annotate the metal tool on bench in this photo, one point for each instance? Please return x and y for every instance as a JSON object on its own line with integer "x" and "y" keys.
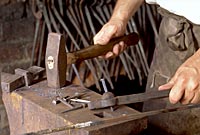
{"x": 68, "y": 101}
{"x": 56, "y": 78}
{"x": 57, "y": 59}
{"x": 35, "y": 101}
{"x": 66, "y": 98}
{"x": 127, "y": 99}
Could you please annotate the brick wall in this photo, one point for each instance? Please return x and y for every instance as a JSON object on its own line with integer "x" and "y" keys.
{"x": 16, "y": 37}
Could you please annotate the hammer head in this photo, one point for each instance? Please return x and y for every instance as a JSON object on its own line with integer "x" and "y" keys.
{"x": 56, "y": 62}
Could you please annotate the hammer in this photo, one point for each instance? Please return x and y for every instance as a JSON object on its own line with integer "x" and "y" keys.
{"x": 57, "y": 59}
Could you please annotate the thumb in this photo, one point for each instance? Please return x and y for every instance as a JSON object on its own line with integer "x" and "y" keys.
{"x": 104, "y": 35}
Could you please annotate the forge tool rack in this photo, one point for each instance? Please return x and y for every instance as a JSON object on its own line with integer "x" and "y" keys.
{"x": 30, "y": 109}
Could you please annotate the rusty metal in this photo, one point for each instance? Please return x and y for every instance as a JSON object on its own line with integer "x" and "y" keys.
{"x": 55, "y": 60}
{"x": 127, "y": 99}
{"x": 10, "y": 82}
{"x": 95, "y": 123}
{"x": 29, "y": 111}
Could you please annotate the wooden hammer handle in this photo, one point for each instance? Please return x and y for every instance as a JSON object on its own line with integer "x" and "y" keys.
{"x": 97, "y": 50}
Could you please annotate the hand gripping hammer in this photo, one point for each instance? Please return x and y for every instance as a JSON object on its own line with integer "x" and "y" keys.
{"x": 57, "y": 59}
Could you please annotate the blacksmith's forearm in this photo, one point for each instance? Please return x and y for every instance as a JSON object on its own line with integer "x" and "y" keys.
{"x": 124, "y": 9}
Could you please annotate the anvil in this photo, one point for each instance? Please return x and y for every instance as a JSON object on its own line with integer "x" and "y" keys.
{"x": 30, "y": 109}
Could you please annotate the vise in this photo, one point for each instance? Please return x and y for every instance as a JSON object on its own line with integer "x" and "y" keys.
{"x": 28, "y": 96}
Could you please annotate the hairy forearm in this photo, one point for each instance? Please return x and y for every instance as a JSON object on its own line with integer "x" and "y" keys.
{"x": 124, "y": 9}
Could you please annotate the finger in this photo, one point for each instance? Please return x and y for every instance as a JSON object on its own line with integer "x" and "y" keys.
{"x": 192, "y": 84}
{"x": 166, "y": 86}
{"x": 97, "y": 37}
{"x": 117, "y": 49}
{"x": 122, "y": 43}
{"x": 191, "y": 88}
{"x": 177, "y": 91}
{"x": 109, "y": 55}
{"x": 196, "y": 98}
{"x": 123, "y": 46}
{"x": 187, "y": 97}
